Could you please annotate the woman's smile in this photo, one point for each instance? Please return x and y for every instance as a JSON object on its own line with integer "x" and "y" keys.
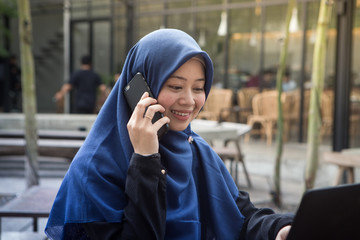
{"x": 182, "y": 115}
{"x": 183, "y": 94}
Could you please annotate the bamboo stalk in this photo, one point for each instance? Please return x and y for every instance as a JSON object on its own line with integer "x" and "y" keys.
{"x": 280, "y": 121}
{"x": 317, "y": 78}
{"x": 28, "y": 93}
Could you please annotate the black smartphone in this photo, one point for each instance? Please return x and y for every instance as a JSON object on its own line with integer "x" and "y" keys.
{"x": 133, "y": 92}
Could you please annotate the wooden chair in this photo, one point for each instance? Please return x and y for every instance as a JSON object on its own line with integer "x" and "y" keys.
{"x": 217, "y": 100}
{"x": 327, "y": 109}
{"x": 244, "y": 97}
{"x": 291, "y": 111}
{"x": 265, "y": 113}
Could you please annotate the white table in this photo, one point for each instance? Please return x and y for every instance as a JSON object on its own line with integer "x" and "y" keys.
{"x": 224, "y": 131}
{"x": 212, "y": 130}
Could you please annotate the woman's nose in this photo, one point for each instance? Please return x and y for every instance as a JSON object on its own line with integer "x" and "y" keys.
{"x": 187, "y": 98}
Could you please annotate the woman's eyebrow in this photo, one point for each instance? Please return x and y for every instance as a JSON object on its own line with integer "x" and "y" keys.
{"x": 184, "y": 79}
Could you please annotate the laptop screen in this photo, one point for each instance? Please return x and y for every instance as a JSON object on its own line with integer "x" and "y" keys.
{"x": 328, "y": 213}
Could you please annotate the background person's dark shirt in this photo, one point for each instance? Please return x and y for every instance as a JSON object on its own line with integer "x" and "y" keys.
{"x": 85, "y": 82}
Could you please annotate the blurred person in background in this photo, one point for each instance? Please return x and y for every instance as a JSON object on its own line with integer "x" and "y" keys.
{"x": 85, "y": 81}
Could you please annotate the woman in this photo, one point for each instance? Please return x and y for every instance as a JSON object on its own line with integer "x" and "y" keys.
{"x": 124, "y": 183}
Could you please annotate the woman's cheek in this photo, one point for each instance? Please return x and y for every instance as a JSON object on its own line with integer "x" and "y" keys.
{"x": 165, "y": 101}
{"x": 200, "y": 102}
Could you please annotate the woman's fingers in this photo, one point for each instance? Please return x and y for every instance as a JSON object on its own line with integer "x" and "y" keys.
{"x": 152, "y": 110}
{"x": 161, "y": 122}
{"x": 142, "y": 105}
{"x": 142, "y": 132}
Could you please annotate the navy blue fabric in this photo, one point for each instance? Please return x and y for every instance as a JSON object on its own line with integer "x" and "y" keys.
{"x": 201, "y": 195}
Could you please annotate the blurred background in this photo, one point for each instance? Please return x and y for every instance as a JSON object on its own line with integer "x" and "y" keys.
{"x": 243, "y": 37}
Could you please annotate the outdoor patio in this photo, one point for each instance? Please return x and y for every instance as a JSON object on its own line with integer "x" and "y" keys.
{"x": 259, "y": 159}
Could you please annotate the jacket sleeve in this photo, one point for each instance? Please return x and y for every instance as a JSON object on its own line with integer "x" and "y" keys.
{"x": 145, "y": 213}
{"x": 260, "y": 223}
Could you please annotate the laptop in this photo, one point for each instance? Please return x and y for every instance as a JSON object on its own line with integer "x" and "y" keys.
{"x": 328, "y": 213}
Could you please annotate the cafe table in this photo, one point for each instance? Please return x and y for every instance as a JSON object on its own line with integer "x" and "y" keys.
{"x": 225, "y": 132}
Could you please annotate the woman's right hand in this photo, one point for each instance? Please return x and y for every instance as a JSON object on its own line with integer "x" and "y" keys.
{"x": 142, "y": 132}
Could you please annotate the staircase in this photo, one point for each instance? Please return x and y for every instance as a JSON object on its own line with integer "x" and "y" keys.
{"x": 53, "y": 48}
{"x": 50, "y": 167}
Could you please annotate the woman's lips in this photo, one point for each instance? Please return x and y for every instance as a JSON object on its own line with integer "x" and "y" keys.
{"x": 183, "y": 115}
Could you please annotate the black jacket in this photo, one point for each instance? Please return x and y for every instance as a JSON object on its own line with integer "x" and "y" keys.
{"x": 145, "y": 214}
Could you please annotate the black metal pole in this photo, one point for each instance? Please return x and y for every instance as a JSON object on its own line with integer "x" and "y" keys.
{"x": 303, "y": 74}
{"x": 345, "y": 13}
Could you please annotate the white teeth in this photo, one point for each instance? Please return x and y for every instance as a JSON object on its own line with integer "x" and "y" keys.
{"x": 179, "y": 113}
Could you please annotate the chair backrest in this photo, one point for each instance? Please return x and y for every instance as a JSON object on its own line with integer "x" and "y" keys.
{"x": 265, "y": 104}
{"x": 245, "y": 96}
{"x": 291, "y": 104}
{"x": 217, "y": 100}
{"x": 327, "y": 103}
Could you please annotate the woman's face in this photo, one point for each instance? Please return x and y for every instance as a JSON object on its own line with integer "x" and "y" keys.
{"x": 183, "y": 94}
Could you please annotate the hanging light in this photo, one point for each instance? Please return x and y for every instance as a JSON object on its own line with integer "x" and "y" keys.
{"x": 294, "y": 23}
{"x": 222, "y": 31}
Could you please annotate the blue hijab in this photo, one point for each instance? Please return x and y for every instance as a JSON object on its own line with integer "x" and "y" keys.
{"x": 201, "y": 194}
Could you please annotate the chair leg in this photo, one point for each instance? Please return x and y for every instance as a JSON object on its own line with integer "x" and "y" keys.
{"x": 251, "y": 123}
{"x": 286, "y": 132}
{"x": 240, "y": 158}
{"x": 247, "y": 137}
{"x": 268, "y": 132}
{"x": 339, "y": 175}
{"x": 351, "y": 175}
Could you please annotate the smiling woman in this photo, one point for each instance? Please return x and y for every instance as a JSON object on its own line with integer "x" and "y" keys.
{"x": 183, "y": 94}
{"x": 125, "y": 183}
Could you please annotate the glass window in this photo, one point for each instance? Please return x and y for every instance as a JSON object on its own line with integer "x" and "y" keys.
{"x": 178, "y": 3}
{"x": 80, "y": 43}
{"x": 355, "y": 90}
{"x": 119, "y": 50}
{"x": 275, "y": 17}
{"x": 313, "y": 12}
{"x": 328, "y": 94}
{"x": 146, "y": 25}
{"x": 79, "y": 9}
{"x": 208, "y": 2}
{"x": 244, "y": 46}
{"x": 147, "y": 7}
{"x": 207, "y": 25}
{"x": 101, "y": 49}
{"x": 181, "y": 21}
{"x": 100, "y": 8}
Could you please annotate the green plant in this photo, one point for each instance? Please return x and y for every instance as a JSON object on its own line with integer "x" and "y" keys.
{"x": 7, "y": 10}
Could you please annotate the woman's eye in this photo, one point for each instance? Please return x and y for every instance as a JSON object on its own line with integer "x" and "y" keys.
{"x": 200, "y": 89}
{"x": 175, "y": 87}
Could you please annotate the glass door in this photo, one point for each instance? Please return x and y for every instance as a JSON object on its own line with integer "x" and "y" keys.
{"x": 93, "y": 38}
